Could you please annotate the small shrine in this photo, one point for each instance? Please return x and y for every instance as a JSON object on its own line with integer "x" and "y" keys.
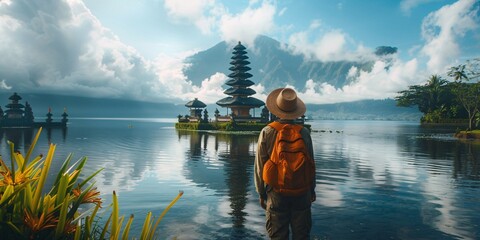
{"x": 18, "y": 115}
{"x": 239, "y": 101}
{"x": 196, "y": 107}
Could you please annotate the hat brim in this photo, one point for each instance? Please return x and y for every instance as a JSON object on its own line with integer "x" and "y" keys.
{"x": 273, "y": 108}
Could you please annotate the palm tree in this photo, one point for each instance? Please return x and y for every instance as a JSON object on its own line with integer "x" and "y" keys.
{"x": 435, "y": 89}
{"x": 458, "y": 73}
{"x": 468, "y": 94}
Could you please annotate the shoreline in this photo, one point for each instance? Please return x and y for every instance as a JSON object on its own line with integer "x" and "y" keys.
{"x": 470, "y": 135}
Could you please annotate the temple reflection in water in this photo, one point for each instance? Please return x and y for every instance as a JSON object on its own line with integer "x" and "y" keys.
{"x": 223, "y": 163}
{"x": 22, "y": 137}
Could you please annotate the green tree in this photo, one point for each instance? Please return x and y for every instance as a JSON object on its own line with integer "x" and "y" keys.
{"x": 467, "y": 88}
{"x": 434, "y": 99}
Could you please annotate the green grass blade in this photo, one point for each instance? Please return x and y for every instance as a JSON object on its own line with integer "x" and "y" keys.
{"x": 126, "y": 231}
{"x": 12, "y": 166}
{"x": 32, "y": 146}
{"x": 60, "y": 173}
{"x": 20, "y": 161}
{"x": 146, "y": 226}
{"x": 105, "y": 227}
{"x": 90, "y": 177}
{"x": 8, "y": 193}
{"x": 43, "y": 177}
{"x": 114, "y": 215}
{"x": 152, "y": 233}
{"x": 78, "y": 231}
{"x": 62, "y": 219}
{"x": 62, "y": 190}
{"x": 92, "y": 217}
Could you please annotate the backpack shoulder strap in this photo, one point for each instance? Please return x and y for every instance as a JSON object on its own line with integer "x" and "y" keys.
{"x": 278, "y": 126}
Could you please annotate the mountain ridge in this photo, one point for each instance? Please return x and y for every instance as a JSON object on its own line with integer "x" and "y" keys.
{"x": 272, "y": 66}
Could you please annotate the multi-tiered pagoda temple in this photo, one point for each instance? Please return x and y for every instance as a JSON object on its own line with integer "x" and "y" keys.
{"x": 18, "y": 115}
{"x": 239, "y": 100}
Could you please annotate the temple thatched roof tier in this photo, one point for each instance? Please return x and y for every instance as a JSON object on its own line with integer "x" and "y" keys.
{"x": 239, "y": 91}
{"x": 240, "y": 101}
{"x": 240, "y": 68}
{"x": 239, "y": 57}
{"x": 240, "y": 75}
{"x": 239, "y": 46}
{"x": 239, "y": 52}
{"x": 239, "y": 82}
{"x": 239, "y": 62}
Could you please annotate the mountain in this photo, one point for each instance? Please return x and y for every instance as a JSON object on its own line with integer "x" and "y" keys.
{"x": 272, "y": 66}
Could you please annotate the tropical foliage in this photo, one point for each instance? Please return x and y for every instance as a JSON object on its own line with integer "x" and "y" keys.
{"x": 440, "y": 99}
{"x": 28, "y": 210}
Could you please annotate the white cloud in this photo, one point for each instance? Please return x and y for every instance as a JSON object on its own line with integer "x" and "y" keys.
{"x": 3, "y": 85}
{"x": 194, "y": 11}
{"x": 331, "y": 45}
{"x": 339, "y": 6}
{"x": 442, "y": 30}
{"x": 260, "y": 92}
{"x": 407, "y": 5}
{"x": 60, "y": 47}
{"x": 210, "y": 16}
{"x": 6, "y": 2}
{"x": 247, "y": 25}
{"x": 211, "y": 89}
{"x": 383, "y": 81}
{"x": 315, "y": 24}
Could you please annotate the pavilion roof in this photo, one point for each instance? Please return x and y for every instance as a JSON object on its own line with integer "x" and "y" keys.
{"x": 195, "y": 104}
{"x": 15, "y": 97}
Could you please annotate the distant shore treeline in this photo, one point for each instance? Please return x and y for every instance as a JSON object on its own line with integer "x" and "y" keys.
{"x": 95, "y": 107}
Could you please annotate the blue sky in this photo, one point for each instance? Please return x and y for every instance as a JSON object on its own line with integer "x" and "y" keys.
{"x": 135, "y": 49}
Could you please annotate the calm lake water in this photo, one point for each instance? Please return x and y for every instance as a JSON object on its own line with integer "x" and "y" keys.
{"x": 375, "y": 179}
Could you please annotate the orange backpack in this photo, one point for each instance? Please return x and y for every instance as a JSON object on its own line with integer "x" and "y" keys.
{"x": 290, "y": 169}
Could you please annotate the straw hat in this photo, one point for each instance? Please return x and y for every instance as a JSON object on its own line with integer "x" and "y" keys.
{"x": 284, "y": 103}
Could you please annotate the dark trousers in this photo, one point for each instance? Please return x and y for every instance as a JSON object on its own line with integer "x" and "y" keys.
{"x": 284, "y": 212}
